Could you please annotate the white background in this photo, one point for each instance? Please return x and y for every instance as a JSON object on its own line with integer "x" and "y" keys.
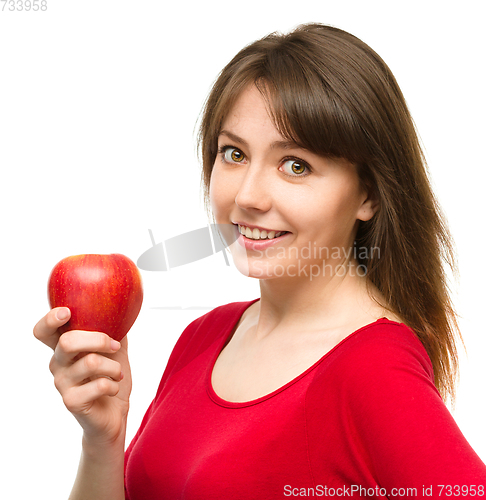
{"x": 98, "y": 109}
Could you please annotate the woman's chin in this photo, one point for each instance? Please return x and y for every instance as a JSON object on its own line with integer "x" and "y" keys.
{"x": 260, "y": 269}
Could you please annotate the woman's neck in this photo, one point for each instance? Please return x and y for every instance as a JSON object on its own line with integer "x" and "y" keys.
{"x": 332, "y": 301}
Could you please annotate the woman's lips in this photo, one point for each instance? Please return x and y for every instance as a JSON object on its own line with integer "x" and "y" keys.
{"x": 253, "y": 244}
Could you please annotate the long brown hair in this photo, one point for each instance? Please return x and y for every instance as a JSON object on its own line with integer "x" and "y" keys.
{"x": 334, "y": 96}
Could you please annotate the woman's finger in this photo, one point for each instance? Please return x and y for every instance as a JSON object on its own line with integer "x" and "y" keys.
{"x": 91, "y": 366}
{"x": 75, "y": 342}
{"x": 46, "y": 328}
{"x": 79, "y": 399}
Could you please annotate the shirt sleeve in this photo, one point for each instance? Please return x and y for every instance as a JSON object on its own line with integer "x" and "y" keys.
{"x": 410, "y": 437}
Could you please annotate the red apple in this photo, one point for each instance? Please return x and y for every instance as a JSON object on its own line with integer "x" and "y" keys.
{"x": 103, "y": 292}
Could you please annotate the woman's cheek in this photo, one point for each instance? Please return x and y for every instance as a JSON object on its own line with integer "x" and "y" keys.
{"x": 216, "y": 192}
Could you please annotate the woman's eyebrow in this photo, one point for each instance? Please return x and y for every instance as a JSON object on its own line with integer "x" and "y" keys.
{"x": 274, "y": 145}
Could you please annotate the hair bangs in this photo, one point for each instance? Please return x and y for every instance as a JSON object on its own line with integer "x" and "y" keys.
{"x": 316, "y": 120}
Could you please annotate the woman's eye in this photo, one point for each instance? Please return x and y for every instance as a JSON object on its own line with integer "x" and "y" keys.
{"x": 294, "y": 167}
{"x": 233, "y": 155}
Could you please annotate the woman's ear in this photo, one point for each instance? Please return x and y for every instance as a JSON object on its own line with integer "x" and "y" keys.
{"x": 370, "y": 204}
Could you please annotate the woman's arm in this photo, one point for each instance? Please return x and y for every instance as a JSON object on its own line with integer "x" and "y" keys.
{"x": 92, "y": 374}
{"x": 100, "y": 472}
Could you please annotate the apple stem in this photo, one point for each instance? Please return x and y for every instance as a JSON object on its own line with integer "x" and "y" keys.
{"x": 152, "y": 237}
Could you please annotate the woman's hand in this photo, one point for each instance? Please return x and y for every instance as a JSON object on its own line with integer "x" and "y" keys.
{"x": 92, "y": 374}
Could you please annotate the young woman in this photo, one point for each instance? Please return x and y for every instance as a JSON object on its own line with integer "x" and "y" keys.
{"x": 333, "y": 382}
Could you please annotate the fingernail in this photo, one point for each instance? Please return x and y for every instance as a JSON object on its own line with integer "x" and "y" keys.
{"x": 62, "y": 314}
{"x": 115, "y": 345}
{"x": 121, "y": 375}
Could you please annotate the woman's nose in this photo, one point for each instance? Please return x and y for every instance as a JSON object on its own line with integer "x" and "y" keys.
{"x": 254, "y": 191}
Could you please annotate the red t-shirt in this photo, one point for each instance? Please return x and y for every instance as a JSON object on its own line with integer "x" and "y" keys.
{"x": 365, "y": 421}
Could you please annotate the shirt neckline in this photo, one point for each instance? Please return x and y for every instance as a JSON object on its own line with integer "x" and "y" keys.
{"x": 242, "y": 404}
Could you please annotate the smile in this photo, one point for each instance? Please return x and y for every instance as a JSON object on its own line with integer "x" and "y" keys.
{"x": 257, "y": 234}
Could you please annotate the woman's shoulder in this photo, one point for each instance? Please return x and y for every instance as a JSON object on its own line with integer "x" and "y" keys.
{"x": 381, "y": 349}
{"x": 380, "y": 367}
{"x": 387, "y": 339}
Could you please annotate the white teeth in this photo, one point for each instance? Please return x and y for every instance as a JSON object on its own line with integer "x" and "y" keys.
{"x": 256, "y": 234}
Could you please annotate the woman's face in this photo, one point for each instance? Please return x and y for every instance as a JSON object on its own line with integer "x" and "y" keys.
{"x": 298, "y": 211}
